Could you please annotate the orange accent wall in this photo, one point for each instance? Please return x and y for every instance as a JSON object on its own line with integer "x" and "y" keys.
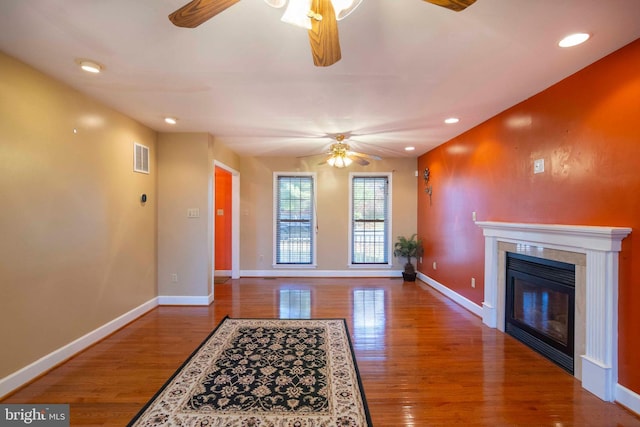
{"x": 222, "y": 222}
{"x": 587, "y": 130}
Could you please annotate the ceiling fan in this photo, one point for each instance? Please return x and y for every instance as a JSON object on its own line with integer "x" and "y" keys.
{"x": 340, "y": 155}
{"x": 318, "y": 16}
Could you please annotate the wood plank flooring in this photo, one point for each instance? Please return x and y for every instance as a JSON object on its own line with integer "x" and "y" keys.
{"x": 424, "y": 360}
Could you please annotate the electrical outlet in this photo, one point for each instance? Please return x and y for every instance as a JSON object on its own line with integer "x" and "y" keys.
{"x": 174, "y": 278}
{"x": 473, "y": 282}
{"x": 473, "y": 216}
{"x": 435, "y": 266}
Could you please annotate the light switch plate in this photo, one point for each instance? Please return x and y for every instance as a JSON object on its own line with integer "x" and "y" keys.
{"x": 538, "y": 166}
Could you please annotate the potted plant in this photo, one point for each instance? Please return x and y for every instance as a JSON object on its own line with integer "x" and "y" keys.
{"x": 408, "y": 248}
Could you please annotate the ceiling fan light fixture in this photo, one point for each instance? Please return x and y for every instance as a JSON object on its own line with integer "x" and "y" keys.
{"x": 344, "y": 7}
{"x": 574, "y": 39}
{"x": 297, "y": 13}
{"x": 339, "y": 161}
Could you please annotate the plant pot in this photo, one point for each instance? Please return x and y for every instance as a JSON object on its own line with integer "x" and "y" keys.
{"x": 409, "y": 277}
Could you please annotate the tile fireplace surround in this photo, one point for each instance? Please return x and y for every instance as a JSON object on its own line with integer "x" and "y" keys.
{"x": 594, "y": 251}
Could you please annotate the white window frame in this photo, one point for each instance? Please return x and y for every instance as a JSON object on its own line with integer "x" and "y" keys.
{"x": 314, "y": 220}
{"x": 388, "y": 175}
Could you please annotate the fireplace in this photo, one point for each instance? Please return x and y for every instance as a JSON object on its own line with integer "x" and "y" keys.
{"x": 540, "y": 306}
{"x": 594, "y": 251}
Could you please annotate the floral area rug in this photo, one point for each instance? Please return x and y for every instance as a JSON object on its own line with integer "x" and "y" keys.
{"x": 266, "y": 373}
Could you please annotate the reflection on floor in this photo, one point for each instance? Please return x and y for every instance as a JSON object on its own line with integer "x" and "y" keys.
{"x": 295, "y": 304}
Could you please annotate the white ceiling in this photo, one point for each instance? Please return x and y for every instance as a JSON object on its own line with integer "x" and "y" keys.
{"x": 248, "y": 78}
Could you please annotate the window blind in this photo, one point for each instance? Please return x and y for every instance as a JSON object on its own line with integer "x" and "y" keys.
{"x": 294, "y": 220}
{"x": 370, "y": 220}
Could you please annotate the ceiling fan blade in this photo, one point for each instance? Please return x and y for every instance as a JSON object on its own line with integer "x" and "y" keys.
{"x": 196, "y": 12}
{"x": 455, "y": 5}
{"x": 312, "y": 155}
{"x": 323, "y": 35}
{"x": 359, "y": 160}
{"x": 366, "y": 156}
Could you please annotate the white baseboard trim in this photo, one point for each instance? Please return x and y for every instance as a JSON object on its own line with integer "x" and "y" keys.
{"x": 454, "y": 296}
{"x": 185, "y": 300}
{"x": 628, "y": 398}
{"x": 21, "y": 377}
{"x": 356, "y": 272}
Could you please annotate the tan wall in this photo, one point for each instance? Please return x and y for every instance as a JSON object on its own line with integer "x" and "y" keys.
{"x": 222, "y": 153}
{"x": 185, "y": 245}
{"x": 183, "y": 183}
{"x": 78, "y": 248}
{"x": 256, "y": 207}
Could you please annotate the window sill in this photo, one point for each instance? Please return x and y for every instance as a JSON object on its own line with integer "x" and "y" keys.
{"x": 369, "y": 266}
{"x": 296, "y": 266}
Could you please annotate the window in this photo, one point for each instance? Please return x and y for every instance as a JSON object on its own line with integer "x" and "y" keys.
{"x": 370, "y": 221}
{"x": 294, "y": 219}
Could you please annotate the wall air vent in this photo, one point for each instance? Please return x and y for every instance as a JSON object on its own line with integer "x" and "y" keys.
{"x": 140, "y": 158}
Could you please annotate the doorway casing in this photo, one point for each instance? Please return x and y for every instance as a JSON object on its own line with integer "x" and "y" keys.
{"x": 235, "y": 221}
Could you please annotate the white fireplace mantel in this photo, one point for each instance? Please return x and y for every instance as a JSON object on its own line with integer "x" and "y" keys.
{"x": 601, "y": 245}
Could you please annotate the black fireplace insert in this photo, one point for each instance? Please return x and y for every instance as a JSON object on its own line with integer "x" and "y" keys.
{"x": 540, "y": 306}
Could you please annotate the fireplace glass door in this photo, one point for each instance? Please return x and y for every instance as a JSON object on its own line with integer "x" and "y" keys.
{"x": 542, "y": 309}
{"x": 540, "y": 306}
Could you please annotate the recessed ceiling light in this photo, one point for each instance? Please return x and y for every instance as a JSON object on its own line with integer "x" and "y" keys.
{"x": 451, "y": 120}
{"x": 409, "y": 148}
{"x": 90, "y": 66}
{"x": 171, "y": 120}
{"x": 573, "y": 40}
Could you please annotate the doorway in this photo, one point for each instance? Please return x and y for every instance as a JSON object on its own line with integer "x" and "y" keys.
{"x": 226, "y": 222}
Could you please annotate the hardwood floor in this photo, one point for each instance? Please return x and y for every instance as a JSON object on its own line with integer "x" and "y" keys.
{"x": 424, "y": 360}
